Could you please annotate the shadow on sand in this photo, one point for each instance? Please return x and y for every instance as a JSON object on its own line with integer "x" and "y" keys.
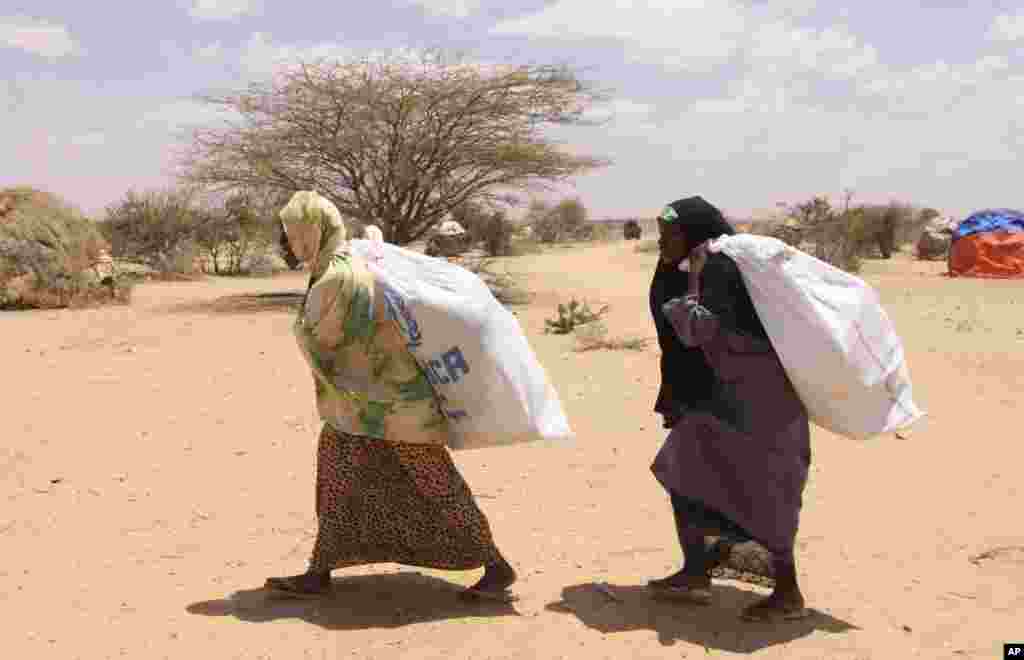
{"x": 359, "y": 603}
{"x": 715, "y": 627}
{"x": 285, "y": 301}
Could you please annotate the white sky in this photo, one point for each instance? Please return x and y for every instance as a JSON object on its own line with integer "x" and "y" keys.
{"x": 748, "y": 103}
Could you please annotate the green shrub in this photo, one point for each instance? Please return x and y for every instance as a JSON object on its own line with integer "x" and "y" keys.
{"x": 572, "y": 315}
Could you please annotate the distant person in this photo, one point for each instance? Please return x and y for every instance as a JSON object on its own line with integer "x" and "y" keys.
{"x": 735, "y": 463}
{"x": 387, "y": 490}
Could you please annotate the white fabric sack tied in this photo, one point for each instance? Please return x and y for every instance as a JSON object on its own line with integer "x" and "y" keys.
{"x": 832, "y": 335}
{"x": 492, "y": 388}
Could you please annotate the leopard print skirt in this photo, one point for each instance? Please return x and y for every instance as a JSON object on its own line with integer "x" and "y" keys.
{"x": 378, "y": 502}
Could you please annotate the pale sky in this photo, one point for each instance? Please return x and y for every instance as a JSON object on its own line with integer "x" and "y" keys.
{"x": 746, "y": 102}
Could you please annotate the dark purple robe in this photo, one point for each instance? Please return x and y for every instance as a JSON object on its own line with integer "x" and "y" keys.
{"x": 747, "y": 453}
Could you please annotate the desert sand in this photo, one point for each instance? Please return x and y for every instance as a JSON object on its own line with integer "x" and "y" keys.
{"x": 157, "y": 465}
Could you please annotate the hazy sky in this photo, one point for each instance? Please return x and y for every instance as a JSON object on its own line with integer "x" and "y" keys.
{"x": 747, "y": 102}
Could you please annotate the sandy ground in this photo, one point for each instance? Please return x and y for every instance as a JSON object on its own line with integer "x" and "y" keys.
{"x": 157, "y": 464}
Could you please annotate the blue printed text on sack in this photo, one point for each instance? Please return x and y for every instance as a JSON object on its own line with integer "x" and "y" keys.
{"x": 447, "y": 368}
{"x": 397, "y": 310}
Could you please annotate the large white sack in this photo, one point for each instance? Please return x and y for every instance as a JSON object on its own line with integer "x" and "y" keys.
{"x": 492, "y": 387}
{"x": 837, "y": 344}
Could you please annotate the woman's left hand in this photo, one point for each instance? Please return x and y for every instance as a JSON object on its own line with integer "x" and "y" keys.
{"x": 698, "y": 257}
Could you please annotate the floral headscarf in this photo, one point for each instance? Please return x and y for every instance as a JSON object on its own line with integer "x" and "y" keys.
{"x": 314, "y": 228}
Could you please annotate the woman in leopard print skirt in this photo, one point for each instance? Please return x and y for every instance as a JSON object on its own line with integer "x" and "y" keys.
{"x": 386, "y": 488}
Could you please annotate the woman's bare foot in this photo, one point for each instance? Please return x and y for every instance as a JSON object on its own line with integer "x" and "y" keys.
{"x": 307, "y": 585}
{"x": 494, "y": 584}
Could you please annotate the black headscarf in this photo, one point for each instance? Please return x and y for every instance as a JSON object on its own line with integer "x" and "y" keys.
{"x": 722, "y": 289}
{"x": 700, "y": 220}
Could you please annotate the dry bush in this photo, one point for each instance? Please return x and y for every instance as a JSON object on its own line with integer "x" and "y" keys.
{"x": 839, "y": 237}
{"x": 495, "y": 232}
{"x": 503, "y": 286}
{"x": 598, "y": 233}
{"x": 788, "y": 234}
{"x": 593, "y": 336}
{"x": 51, "y": 255}
{"x": 843, "y": 237}
{"x": 524, "y": 246}
{"x": 649, "y": 246}
{"x": 910, "y": 230}
{"x": 584, "y": 233}
{"x": 563, "y": 221}
{"x": 182, "y": 233}
{"x": 230, "y": 232}
{"x": 155, "y": 228}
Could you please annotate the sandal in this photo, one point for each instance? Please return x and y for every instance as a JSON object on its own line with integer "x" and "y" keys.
{"x": 296, "y": 587}
{"x": 682, "y": 588}
{"x": 682, "y": 594}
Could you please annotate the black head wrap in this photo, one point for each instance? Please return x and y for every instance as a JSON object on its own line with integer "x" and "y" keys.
{"x": 722, "y": 288}
{"x": 700, "y": 220}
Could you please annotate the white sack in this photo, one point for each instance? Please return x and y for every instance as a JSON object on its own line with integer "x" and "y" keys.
{"x": 837, "y": 344}
{"x": 492, "y": 388}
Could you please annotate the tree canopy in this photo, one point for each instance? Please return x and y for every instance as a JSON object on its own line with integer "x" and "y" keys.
{"x": 396, "y": 143}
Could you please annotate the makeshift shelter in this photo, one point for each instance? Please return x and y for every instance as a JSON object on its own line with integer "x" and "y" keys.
{"x": 450, "y": 228}
{"x": 449, "y": 239}
{"x": 989, "y": 243}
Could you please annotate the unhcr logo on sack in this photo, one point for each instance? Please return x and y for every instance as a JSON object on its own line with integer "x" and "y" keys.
{"x": 447, "y": 368}
{"x": 397, "y": 310}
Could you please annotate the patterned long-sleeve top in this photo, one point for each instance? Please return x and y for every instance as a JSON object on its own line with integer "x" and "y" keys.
{"x": 367, "y": 381}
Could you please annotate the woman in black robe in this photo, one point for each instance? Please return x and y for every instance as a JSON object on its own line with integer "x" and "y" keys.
{"x": 737, "y": 458}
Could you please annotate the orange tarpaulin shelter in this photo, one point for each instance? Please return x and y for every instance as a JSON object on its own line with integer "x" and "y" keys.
{"x": 989, "y": 244}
